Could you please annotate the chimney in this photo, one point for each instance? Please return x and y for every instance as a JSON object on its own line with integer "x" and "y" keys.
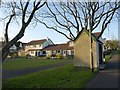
{"x": 47, "y": 38}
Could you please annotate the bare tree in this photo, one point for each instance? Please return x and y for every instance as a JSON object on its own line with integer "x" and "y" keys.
{"x": 68, "y": 18}
{"x": 25, "y": 11}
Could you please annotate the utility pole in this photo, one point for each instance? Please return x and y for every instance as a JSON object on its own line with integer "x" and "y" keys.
{"x": 90, "y": 35}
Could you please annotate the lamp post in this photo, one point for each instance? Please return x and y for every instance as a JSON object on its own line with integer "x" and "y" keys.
{"x": 90, "y": 35}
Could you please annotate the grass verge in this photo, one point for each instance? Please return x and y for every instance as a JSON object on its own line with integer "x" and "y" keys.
{"x": 108, "y": 57}
{"x": 62, "y": 77}
{"x": 114, "y": 52}
{"x": 23, "y": 63}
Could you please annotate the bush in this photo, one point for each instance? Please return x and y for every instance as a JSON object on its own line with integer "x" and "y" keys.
{"x": 59, "y": 56}
{"x": 108, "y": 57}
{"x": 44, "y": 58}
{"x": 70, "y": 56}
{"x": 28, "y": 56}
{"x": 13, "y": 55}
{"x": 48, "y": 57}
{"x": 53, "y": 55}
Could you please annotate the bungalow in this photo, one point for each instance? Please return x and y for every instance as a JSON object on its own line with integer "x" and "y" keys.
{"x": 34, "y": 47}
{"x": 64, "y": 49}
{"x": 82, "y": 50}
{"x": 21, "y": 51}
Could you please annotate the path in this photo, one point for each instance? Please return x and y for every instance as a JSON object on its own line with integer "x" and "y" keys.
{"x": 14, "y": 73}
{"x": 107, "y": 78}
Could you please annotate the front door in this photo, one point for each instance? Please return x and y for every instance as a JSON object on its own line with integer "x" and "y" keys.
{"x": 100, "y": 54}
{"x": 36, "y": 53}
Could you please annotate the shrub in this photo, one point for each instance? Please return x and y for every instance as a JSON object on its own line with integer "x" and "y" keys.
{"x": 59, "y": 56}
{"x": 70, "y": 56}
{"x": 13, "y": 55}
{"x": 48, "y": 57}
{"x": 53, "y": 55}
{"x": 44, "y": 58}
{"x": 28, "y": 56}
{"x": 108, "y": 57}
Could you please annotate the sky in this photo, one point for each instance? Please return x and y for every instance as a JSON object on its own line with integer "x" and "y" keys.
{"x": 41, "y": 32}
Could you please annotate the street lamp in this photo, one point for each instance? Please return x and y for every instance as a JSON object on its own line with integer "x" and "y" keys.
{"x": 90, "y": 35}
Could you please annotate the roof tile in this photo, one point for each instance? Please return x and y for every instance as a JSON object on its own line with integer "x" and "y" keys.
{"x": 36, "y": 42}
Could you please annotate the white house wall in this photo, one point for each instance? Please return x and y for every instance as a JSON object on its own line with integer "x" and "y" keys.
{"x": 20, "y": 45}
{"x": 38, "y": 46}
{"x": 71, "y": 43}
{"x": 32, "y": 53}
{"x": 97, "y": 51}
{"x": 64, "y": 53}
{"x": 68, "y": 52}
{"x": 48, "y": 53}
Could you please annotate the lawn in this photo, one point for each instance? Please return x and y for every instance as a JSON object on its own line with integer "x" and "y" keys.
{"x": 62, "y": 77}
{"x": 23, "y": 63}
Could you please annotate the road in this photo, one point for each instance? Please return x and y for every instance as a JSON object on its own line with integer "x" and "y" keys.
{"x": 107, "y": 78}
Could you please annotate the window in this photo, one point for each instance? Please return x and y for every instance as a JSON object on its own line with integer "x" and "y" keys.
{"x": 64, "y": 52}
{"x": 34, "y": 45}
{"x": 32, "y": 52}
{"x": 72, "y": 52}
{"x": 39, "y": 45}
{"x": 58, "y": 51}
{"x": 44, "y": 52}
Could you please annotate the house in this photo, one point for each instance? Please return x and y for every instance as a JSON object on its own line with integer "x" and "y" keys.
{"x": 16, "y": 47}
{"x": 66, "y": 49}
{"x": 82, "y": 50}
{"x": 21, "y": 51}
{"x": 13, "y": 48}
{"x": 34, "y": 48}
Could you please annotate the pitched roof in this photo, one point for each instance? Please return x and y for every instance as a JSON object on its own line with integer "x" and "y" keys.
{"x": 97, "y": 34}
{"x": 24, "y": 44}
{"x": 70, "y": 48}
{"x": 94, "y": 36}
{"x": 64, "y": 46}
{"x": 36, "y": 42}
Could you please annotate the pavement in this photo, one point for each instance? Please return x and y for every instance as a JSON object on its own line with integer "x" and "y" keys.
{"x": 14, "y": 73}
{"x": 107, "y": 78}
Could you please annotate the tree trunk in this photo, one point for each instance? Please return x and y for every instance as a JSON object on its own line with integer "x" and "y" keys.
{"x": 4, "y": 54}
{"x": 5, "y": 49}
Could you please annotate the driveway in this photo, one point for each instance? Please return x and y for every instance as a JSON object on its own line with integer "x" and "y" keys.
{"x": 14, "y": 73}
{"x": 107, "y": 78}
